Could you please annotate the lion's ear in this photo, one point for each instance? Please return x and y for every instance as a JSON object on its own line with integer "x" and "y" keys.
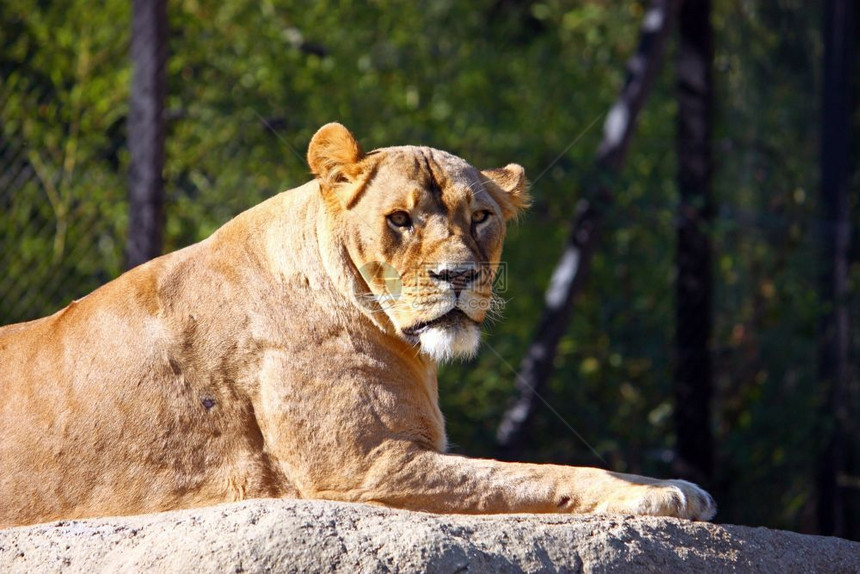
{"x": 509, "y": 187}
{"x": 333, "y": 156}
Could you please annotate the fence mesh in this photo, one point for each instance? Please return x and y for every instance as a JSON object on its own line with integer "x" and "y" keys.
{"x": 58, "y": 243}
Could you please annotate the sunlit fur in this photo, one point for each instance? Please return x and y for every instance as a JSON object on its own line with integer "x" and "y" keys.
{"x": 400, "y": 266}
{"x": 291, "y": 354}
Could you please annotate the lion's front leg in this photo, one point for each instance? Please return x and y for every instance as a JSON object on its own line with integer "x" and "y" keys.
{"x": 434, "y": 482}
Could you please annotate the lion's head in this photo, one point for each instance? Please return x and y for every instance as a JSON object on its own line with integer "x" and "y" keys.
{"x": 423, "y": 229}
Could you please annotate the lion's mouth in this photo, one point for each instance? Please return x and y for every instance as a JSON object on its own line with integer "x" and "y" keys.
{"x": 449, "y": 319}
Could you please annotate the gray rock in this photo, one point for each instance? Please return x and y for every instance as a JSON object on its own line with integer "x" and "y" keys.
{"x": 319, "y": 536}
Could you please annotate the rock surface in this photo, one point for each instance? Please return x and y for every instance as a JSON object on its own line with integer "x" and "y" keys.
{"x": 317, "y": 536}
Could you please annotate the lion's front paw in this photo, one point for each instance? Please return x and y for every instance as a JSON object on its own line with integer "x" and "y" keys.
{"x": 677, "y": 498}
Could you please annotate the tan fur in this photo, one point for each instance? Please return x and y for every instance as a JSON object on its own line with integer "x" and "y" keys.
{"x": 288, "y": 355}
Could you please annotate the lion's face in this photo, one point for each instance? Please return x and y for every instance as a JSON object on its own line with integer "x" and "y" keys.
{"x": 424, "y": 229}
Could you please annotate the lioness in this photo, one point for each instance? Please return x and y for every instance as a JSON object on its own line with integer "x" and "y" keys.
{"x": 291, "y": 354}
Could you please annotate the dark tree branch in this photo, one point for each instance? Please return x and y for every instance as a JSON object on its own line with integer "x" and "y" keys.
{"x": 146, "y": 131}
{"x": 517, "y": 13}
{"x": 570, "y": 272}
{"x": 297, "y": 40}
{"x": 834, "y": 337}
{"x": 693, "y": 287}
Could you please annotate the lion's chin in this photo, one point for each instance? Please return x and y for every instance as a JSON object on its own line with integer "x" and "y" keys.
{"x": 453, "y": 342}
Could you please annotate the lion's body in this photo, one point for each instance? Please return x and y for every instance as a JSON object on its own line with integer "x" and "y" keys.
{"x": 248, "y": 365}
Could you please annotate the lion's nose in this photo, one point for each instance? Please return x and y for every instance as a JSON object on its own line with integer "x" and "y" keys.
{"x": 458, "y": 277}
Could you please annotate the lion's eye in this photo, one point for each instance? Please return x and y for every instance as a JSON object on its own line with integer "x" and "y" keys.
{"x": 480, "y": 216}
{"x": 400, "y": 219}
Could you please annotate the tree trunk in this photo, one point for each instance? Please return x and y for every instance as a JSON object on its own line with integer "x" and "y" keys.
{"x": 570, "y": 272}
{"x": 146, "y": 131}
{"x": 693, "y": 305}
{"x": 833, "y": 365}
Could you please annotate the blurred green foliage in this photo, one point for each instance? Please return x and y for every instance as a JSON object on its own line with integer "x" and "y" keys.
{"x": 494, "y": 82}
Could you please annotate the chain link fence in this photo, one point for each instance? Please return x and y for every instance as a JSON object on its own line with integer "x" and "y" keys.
{"x": 59, "y": 241}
